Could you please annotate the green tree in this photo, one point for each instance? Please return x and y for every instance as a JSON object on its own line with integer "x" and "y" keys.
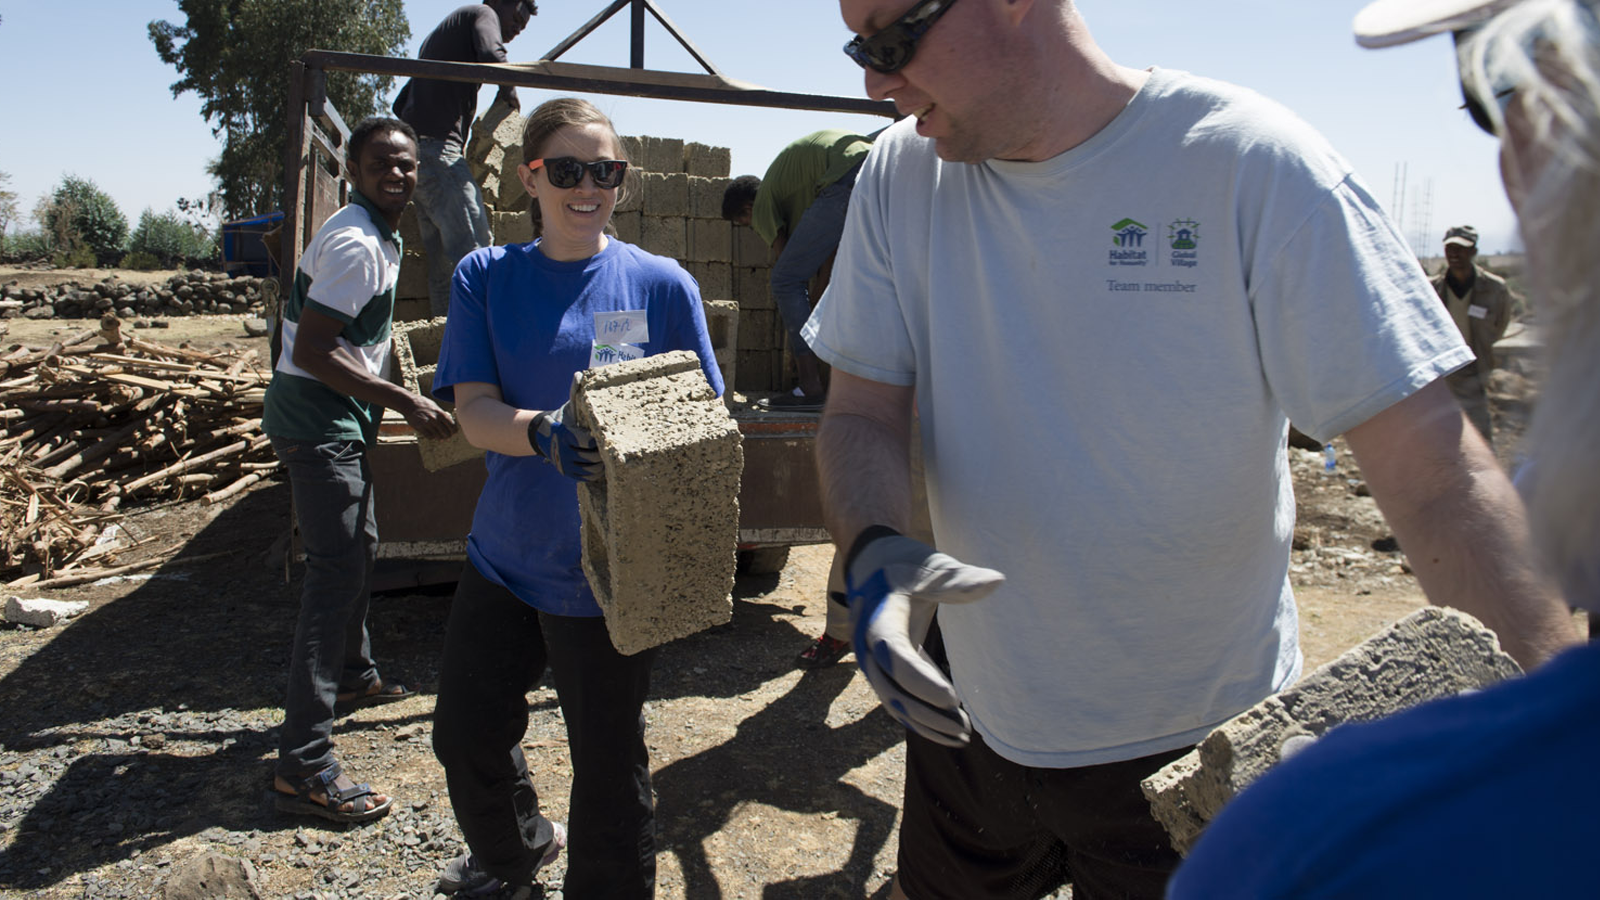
{"x": 8, "y": 206}
{"x": 80, "y": 215}
{"x": 235, "y": 55}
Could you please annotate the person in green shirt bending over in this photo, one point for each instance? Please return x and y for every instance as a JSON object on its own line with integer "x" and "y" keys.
{"x": 798, "y": 208}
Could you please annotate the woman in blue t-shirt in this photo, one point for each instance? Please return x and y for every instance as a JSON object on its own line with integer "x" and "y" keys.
{"x": 522, "y": 324}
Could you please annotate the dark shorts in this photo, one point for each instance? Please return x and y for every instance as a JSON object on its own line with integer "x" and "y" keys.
{"x": 976, "y": 825}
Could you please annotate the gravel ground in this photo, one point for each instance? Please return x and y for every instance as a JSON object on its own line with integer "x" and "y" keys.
{"x": 140, "y": 736}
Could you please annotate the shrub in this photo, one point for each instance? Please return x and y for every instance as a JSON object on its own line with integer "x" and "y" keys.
{"x": 75, "y": 258}
{"x": 171, "y": 239}
{"x": 79, "y": 212}
{"x": 140, "y": 261}
{"x": 26, "y": 245}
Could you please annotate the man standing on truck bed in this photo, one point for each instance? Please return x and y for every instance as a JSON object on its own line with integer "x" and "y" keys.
{"x": 450, "y": 210}
{"x": 322, "y": 409}
{"x": 1062, "y": 262}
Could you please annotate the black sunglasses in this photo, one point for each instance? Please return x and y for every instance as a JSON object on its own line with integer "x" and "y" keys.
{"x": 567, "y": 171}
{"x": 1478, "y": 106}
{"x": 893, "y": 46}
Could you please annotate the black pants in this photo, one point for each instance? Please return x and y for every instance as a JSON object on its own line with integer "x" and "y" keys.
{"x": 496, "y": 650}
{"x": 977, "y": 825}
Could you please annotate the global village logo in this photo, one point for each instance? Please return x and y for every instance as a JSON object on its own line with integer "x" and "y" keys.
{"x": 1129, "y": 239}
{"x": 1184, "y": 236}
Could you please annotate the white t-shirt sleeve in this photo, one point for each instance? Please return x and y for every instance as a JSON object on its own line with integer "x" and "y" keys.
{"x": 346, "y": 274}
{"x": 1341, "y": 303}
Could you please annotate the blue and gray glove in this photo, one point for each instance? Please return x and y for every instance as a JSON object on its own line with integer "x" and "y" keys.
{"x": 568, "y": 447}
{"x": 895, "y": 584}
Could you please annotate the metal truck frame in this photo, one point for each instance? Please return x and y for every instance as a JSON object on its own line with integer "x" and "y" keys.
{"x": 421, "y": 514}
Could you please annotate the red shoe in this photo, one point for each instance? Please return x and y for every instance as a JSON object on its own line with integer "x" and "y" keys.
{"x": 824, "y": 651}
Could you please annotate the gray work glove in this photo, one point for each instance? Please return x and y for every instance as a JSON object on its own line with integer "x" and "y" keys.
{"x": 895, "y": 584}
{"x": 569, "y": 448}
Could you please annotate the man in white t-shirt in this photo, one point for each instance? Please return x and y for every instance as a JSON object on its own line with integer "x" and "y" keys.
{"x": 1062, "y": 262}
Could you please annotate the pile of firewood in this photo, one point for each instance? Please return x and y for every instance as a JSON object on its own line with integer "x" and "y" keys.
{"x": 102, "y": 421}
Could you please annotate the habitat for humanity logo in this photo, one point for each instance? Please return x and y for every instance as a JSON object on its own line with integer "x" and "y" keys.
{"x": 1129, "y": 241}
{"x": 1184, "y": 237}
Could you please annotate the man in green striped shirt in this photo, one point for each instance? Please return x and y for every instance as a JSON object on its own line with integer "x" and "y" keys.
{"x": 328, "y": 392}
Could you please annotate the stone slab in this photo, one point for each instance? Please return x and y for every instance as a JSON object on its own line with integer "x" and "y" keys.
{"x": 659, "y": 534}
{"x": 41, "y": 613}
{"x": 1434, "y": 652}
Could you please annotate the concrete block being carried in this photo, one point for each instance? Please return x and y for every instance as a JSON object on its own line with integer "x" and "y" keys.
{"x": 660, "y": 532}
{"x": 415, "y": 347}
{"x": 1434, "y": 652}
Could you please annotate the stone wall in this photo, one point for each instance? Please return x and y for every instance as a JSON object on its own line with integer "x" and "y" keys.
{"x": 184, "y": 294}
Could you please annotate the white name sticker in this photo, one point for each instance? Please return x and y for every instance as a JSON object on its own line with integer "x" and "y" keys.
{"x": 629, "y": 326}
{"x": 1478, "y": 312}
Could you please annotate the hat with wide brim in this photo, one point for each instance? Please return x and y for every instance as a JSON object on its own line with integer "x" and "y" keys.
{"x": 1387, "y": 23}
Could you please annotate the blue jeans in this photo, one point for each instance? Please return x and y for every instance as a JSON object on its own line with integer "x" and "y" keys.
{"x": 815, "y": 236}
{"x": 496, "y": 649}
{"x": 450, "y": 214}
{"x": 332, "y": 487}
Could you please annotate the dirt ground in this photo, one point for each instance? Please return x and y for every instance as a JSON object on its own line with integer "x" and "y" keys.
{"x": 771, "y": 782}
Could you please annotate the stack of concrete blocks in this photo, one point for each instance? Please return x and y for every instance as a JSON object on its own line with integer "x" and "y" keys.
{"x": 671, "y": 205}
{"x": 414, "y": 357}
{"x": 1432, "y": 653}
{"x": 659, "y": 532}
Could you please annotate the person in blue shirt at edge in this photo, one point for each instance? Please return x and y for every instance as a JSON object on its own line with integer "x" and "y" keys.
{"x": 522, "y": 325}
{"x": 328, "y": 392}
{"x": 1485, "y": 794}
{"x": 1148, "y": 252}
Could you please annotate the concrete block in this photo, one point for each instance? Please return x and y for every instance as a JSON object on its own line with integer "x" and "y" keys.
{"x": 756, "y": 370}
{"x": 628, "y": 226}
{"x": 1432, "y": 653}
{"x": 722, "y": 325}
{"x": 660, "y": 154}
{"x": 41, "y": 613}
{"x": 716, "y": 279}
{"x": 665, "y": 194}
{"x": 633, "y": 149}
{"x": 759, "y": 329}
{"x": 705, "y": 196}
{"x": 749, "y": 249}
{"x": 659, "y": 533}
{"x": 706, "y": 160}
{"x": 413, "y": 280}
{"x": 511, "y": 227}
{"x": 410, "y": 232}
{"x": 752, "y": 287}
{"x": 664, "y": 236}
{"x": 710, "y": 240}
{"x": 414, "y": 348}
{"x": 630, "y": 198}
{"x": 411, "y": 309}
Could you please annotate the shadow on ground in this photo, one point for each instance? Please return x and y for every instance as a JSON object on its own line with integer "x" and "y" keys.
{"x": 154, "y": 716}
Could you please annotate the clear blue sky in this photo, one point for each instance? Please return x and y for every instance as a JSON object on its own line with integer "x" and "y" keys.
{"x": 103, "y": 108}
